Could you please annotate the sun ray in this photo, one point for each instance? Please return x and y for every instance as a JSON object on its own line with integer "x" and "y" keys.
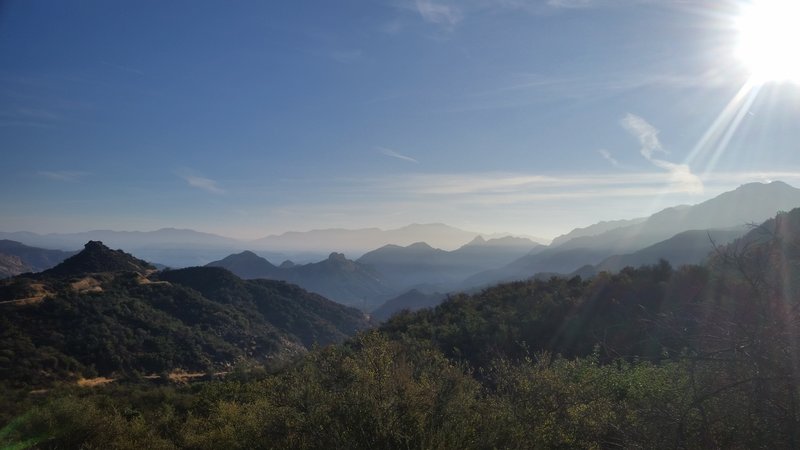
{"x": 733, "y": 126}
{"x": 714, "y": 142}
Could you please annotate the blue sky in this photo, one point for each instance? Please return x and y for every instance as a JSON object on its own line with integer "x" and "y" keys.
{"x": 251, "y": 118}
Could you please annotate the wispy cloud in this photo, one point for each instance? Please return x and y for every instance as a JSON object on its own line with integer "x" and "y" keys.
{"x": 439, "y": 13}
{"x": 582, "y": 4}
{"x": 30, "y": 117}
{"x": 448, "y": 13}
{"x": 607, "y": 156}
{"x": 394, "y": 154}
{"x": 680, "y": 174}
{"x": 63, "y": 175}
{"x": 501, "y": 185}
{"x": 200, "y": 182}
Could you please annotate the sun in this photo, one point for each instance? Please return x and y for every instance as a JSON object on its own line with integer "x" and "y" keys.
{"x": 769, "y": 40}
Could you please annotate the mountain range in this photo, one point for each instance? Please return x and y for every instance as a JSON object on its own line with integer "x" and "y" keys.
{"x": 357, "y": 242}
{"x": 680, "y": 235}
{"x": 688, "y": 247}
{"x": 104, "y": 312}
{"x": 181, "y": 247}
{"x": 385, "y": 272}
{"x": 419, "y": 264}
{"x": 336, "y": 277}
{"x": 750, "y": 203}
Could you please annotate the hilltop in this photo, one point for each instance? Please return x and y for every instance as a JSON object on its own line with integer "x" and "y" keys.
{"x": 97, "y": 258}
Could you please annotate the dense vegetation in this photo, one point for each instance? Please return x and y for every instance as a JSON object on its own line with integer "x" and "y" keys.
{"x": 66, "y": 322}
{"x": 693, "y": 357}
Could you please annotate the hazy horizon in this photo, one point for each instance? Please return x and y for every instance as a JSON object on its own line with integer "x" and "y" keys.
{"x": 488, "y": 235}
{"x": 654, "y": 206}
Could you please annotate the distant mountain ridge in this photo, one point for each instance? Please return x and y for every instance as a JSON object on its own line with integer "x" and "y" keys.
{"x": 337, "y": 278}
{"x": 168, "y": 246}
{"x": 124, "y": 239}
{"x": 183, "y": 247}
{"x": 385, "y": 272}
{"x": 247, "y": 265}
{"x": 689, "y": 247}
{"x": 360, "y": 241}
{"x": 31, "y": 259}
{"x": 595, "y": 229}
{"x": 420, "y": 264}
{"x": 749, "y": 203}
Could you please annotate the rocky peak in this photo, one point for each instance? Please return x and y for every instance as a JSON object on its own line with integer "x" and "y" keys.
{"x": 96, "y": 258}
{"x": 337, "y": 257}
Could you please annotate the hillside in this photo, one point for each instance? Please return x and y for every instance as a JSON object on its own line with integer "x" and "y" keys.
{"x": 412, "y": 300}
{"x": 595, "y": 229}
{"x": 11, "y": 265}
{"x": 689, "y": 247}
{"x": 336, "y": 277}
{"x": 648, "y": 311}
{"x": 247, "y": 265}
{"x": 104, "y": 312}
{"x": 97, "y": 258}
{"x": 34, "y": 258}
{"x": 404, "y": 267}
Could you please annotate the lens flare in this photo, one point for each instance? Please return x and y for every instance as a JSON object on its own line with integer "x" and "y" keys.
{"x": 769, "y": 40}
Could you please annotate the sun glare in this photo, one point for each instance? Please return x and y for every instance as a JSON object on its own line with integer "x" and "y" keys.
{"x": 769, "y": 40}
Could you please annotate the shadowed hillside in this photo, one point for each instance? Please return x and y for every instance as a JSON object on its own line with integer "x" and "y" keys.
{"x": 337, "y": 278}
{"x": 16, "y": 258}
{"x": 104, "y": 312}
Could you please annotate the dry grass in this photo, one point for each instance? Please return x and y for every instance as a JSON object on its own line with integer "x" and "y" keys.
{"x": 177, "y": 376}
{"x": 25, "y": 301}
{"x": 39, "y": 293}
{"x": 92, "y": 382}
{"x": 144, "y": 280}
{"x": 87, "y": 284}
